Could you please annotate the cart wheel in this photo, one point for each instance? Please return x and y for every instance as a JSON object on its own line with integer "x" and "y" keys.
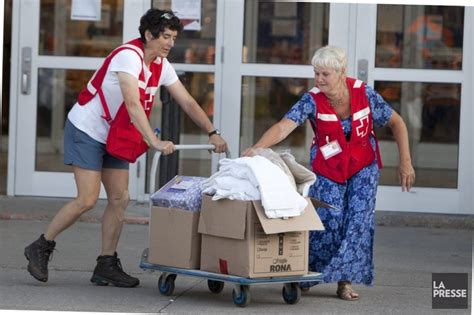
{"x": 243, "y": 299}
{"x": 166, "y": 285}
{"x": 291, "y": 293}
{"x": 215, "y": 286}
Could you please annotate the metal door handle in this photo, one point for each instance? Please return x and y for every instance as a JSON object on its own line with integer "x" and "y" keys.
{"x": 363, "y": 70}
{"x": 26, "y": 70}
{"x": 24, "y": 83}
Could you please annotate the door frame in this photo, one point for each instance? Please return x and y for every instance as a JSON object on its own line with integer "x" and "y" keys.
{"x": 216, "y": 69}
{"x": 22, "y": 179}
{"x": 423, "y": 199}
{"x": 346, "y": 21}
{"x": 341, "y": 18}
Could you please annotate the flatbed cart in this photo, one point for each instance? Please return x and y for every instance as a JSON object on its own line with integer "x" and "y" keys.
{"x": 291, "y": 291}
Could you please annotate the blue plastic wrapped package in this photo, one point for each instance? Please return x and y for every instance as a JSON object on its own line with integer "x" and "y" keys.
{"x": 182, "y": 192}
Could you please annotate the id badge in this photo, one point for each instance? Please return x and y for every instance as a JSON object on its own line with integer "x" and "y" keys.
{"x": 330, "y": 149}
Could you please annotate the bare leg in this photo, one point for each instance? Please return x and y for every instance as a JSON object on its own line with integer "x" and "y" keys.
{"x": 116, "y": 185}
{"x": 109, "y": 269}
{"x": 88, "y": 189}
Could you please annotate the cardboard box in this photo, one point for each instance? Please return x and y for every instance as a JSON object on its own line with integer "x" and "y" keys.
{"x": 173, "y": 238}
{"x": 238, "y": 239}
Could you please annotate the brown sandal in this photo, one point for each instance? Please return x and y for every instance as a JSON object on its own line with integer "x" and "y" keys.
{"x": 345, "y": 291}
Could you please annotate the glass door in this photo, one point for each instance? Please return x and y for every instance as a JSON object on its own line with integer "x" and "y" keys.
{"x": 53, "y": 56}
{"x": 267, "y": 66}
{"x": 415, "y": 57}
{"x": 196, "y": 57}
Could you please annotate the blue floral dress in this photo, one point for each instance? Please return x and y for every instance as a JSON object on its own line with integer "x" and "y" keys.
{"x": 344, "y": 250}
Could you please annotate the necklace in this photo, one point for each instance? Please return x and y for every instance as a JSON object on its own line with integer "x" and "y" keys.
{"x": 338, "y": 100}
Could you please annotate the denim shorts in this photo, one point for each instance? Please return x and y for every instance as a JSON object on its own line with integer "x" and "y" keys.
{"x": 83, "y": 151}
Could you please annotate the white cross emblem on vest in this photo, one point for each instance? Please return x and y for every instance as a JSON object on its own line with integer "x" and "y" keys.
{"x": 362, "y": 117}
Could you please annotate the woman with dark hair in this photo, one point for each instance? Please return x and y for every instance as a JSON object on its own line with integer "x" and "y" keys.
{"x": 115, "y": 105}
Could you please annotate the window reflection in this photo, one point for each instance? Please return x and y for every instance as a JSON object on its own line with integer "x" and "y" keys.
{"x": 431, "y": 112}
{"x": 191, "y": 162}
{"x": 61, "y": 36}
{"x": 284, "y": 32}
{"x": 57, "y": 93}
{"x": 421, "y": 37}
{"x": 201, "y": 87}
{"x": 264, "y": 102}
{"x": 196, "y": 43}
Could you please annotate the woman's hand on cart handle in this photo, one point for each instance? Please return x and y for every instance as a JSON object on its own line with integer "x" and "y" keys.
{"x": 219, "y": 143}
{"x": 165, "y": 147}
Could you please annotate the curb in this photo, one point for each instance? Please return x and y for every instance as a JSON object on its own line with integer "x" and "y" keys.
{"x": 391, "y": 219}
{"x": 84, "y": 218}
{"x": 425, "y": 220}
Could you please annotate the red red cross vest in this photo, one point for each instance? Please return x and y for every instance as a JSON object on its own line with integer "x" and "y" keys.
{"x": 124, "y": 140}
{"x": 356, "y": 153}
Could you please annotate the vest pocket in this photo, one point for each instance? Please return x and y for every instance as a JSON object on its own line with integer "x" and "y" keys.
{"x": 126, "y": 134}
{"x": 125, "y": 143}
{"x": 333, "y": 161}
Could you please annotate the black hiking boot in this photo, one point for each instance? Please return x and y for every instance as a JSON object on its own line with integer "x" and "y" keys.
{"x": 109, "y": 270}
{"x": 38, "y": 254}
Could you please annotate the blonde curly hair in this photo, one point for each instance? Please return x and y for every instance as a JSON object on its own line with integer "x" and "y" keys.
{"x": 330, "y": 57}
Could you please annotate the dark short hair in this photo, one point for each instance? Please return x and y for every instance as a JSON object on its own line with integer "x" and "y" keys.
{"x": 156, "y": 20}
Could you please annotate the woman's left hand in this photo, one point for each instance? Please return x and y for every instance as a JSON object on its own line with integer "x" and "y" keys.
{"x": 406, "y": 175}
{"x": 219, "y": 142}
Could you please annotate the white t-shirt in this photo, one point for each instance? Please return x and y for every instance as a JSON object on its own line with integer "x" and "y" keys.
{"x": 88, "y": 117}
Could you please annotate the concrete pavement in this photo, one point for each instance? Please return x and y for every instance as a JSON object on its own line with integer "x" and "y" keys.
{"x": 405, "y": 258}
{"x": 32, "y": 208}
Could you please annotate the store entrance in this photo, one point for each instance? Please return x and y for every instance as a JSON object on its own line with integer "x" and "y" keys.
{"x": 50, "y": 64}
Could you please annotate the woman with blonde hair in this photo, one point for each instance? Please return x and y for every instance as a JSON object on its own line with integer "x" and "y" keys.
{"x": 344, "y": 155}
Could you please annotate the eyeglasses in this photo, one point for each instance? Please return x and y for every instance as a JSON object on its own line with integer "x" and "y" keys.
{"x": 167, "y": 16}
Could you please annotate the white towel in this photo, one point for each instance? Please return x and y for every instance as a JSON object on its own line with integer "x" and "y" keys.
{"x": 279, "y": 198}
{"x": 232, "y": 181}
{"x": 275, "y": 158}
{"x": 228, "y": 187}
{"x": 240, "y": 178}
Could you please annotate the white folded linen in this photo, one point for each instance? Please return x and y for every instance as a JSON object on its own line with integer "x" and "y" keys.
{"x": 232, "y": 181}
{"x": 275, "y": 158}
{"x": 228, "y": 187}
{"x": 279, "y": 198}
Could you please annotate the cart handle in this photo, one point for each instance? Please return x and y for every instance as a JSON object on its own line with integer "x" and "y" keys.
{"x": 156, "y": 158}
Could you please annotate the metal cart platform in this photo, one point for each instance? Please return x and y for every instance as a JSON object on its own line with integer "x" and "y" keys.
{"x": 291, "y": 291}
